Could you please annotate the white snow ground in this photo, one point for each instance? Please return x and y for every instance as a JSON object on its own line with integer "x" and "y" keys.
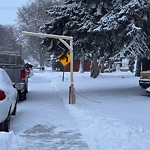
{"x": 111, "y": 113}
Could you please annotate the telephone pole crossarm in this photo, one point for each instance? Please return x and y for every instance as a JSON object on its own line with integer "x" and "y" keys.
{"x": 47, "y": 35}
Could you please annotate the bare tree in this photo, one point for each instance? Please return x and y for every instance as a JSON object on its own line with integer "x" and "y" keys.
{"x": 9, "y": 41}
{"x": 31, "y": 18}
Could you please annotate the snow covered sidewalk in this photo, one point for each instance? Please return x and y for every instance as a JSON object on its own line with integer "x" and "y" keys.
{"x": 111, "y": 112}
{"x": 43, "y": 123}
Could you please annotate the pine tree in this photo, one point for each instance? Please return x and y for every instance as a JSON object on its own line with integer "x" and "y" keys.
{"x": 106, "y": 27}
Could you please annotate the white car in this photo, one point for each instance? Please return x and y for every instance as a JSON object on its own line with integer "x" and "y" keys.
{"x": 8, "y": 100}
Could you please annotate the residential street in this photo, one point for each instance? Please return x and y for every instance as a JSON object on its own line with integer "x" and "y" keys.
{"x": 111, "y": 113}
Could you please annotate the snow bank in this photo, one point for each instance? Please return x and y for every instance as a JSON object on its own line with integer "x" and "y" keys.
{"x": 8, "y": 141}
{"x": 110, "y": 134}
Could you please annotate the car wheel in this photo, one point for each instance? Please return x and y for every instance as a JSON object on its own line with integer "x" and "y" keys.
{"x": 19, "y": 95}
{"x": 7, "y": 124}
{"x": 144, "y": 86}
{"x": 24, "y": 95}
{"x": 26, "y": 89}
{"x": 2, "y": 126}
{"x": 15, "y": 110}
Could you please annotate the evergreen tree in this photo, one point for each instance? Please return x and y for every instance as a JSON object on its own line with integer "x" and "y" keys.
{"x": 105, "y": 27}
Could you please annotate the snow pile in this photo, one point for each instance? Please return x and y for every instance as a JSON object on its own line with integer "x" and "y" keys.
{"x": 110, "y": 134}
{"x": 8, "y": 141}
{"x": 109, "y": 112}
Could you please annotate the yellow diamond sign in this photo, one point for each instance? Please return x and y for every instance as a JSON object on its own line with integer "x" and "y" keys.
{"x": 64, "y": 58}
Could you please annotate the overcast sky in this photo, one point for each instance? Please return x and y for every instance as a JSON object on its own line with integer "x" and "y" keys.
{"x": 8, "y": 9}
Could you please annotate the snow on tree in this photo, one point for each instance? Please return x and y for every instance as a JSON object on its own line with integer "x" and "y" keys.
{"x": 106, "y": 27}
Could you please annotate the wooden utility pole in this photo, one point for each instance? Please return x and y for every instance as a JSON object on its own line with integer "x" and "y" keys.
{"x": 72, "y": 95}
{"x": 72, "y": 99}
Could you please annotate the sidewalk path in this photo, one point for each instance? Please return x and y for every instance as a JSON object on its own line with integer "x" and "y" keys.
{"x": 42, "y": 121}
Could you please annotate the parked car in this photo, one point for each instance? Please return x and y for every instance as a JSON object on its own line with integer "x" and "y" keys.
{"x": 144, "y": 80}
{"x": 13, "y": 64}
{"x": 8, "y": 100}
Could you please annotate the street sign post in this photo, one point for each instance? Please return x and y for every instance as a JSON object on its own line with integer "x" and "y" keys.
{"x": 72, "y": 99}
{"x": 64, "y": 59}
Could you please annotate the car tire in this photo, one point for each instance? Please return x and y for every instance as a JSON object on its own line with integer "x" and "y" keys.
{"x": 24, "y": 95}
{"x": 26, "y": 88}
{"x": 19, "y": 95}
{"x": 2, "y": 126}
{"x": 144, "y": 86}
{"x": 15, "y": 110}
{"x": 7, "y": 124}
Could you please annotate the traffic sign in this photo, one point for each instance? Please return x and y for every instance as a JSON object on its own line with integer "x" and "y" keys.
{"x": 64, "y": 58}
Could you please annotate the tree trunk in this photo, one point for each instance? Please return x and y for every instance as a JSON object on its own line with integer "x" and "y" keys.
{"x": 138, "y": 67}
{"x": 102, "y": 66}
{"x": 94, "y": 66}
{"x": 131, "y": 64}
{"x": 41, "y": 55}
{"x": 81, "y": 68}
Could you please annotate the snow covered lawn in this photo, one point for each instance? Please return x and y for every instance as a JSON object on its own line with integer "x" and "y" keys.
{"x": 110, "y": 114}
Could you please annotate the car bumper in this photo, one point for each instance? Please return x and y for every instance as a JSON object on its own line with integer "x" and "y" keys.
{"x": 19, "y": 86}
{"x": 144, "y": 83}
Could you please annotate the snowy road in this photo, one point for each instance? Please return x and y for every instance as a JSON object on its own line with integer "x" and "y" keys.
{"x": 111, "y": 113}
{"x": 42, "y": 122}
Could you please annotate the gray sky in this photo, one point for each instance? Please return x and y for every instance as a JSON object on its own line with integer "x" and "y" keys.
{"x": 8, "y": 9}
